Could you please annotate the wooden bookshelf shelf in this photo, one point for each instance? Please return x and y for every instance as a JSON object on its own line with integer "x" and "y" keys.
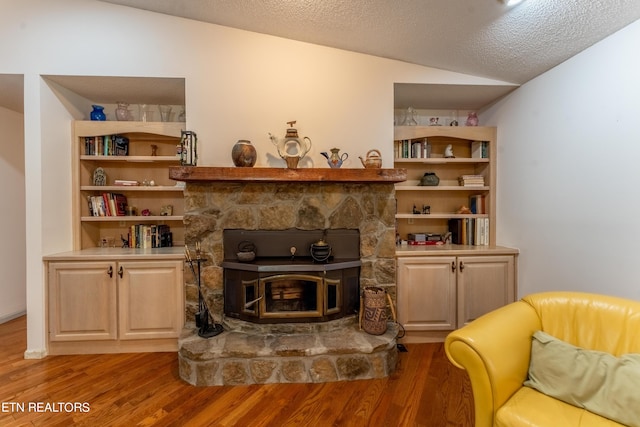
{"x": 138, "y": 165}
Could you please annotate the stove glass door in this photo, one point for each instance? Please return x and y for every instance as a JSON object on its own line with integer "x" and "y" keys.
{"x": 291, "y": 296}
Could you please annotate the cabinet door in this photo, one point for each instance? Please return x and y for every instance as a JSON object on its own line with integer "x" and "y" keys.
{"x": 82, "y": 301}
{"x": 426, "y": 293}
{"x": 484, "y": 284}
{"x": 151, "y": 299}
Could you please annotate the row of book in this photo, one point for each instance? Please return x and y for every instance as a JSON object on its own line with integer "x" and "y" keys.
{"x": 107, "y": 145}
{"x": 147, "y": 236}
{"x": 421, "y": 149}
{"x": 107, "y": 204}
{"x": 469, "y": 231}
{"x": 412, "y": 149}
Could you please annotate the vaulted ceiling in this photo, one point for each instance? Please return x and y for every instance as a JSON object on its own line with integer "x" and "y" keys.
{"x": 479, "y": 37}
{"x": 483, "y": 38}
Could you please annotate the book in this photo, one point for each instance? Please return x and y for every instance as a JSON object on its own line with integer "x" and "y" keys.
{"x": 455, "y": 228}
{"x": 480, "y": 149}
{"x": 477, "y": 204}
{"x": 120, "y": 145}
{"x": 125, "y": 182}
{"x": 120, "y": 204}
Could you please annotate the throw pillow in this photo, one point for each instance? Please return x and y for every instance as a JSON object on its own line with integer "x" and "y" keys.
{"x": 594, "y": 380}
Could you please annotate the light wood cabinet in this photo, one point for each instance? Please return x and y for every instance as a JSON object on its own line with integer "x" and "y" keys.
{"x": 82, "y": 301}
{"x": 427, "y": 294}
{"x": 115, "y": 304}
{"x": 150, "y": 305}
{"x": 484, "y": 283}
{"x": 439, "y": 293}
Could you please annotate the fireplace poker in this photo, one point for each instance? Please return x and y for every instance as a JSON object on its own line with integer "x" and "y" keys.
{"x": 202, "y": 317}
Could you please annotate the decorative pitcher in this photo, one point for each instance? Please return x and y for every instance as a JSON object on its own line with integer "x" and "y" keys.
{"x": 291, "y": 148}
{"x": 335, "y": 160}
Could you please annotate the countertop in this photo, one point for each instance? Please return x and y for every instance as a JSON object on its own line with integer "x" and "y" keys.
{"x": 118, "y": 254}
{"x": 454, "y": 250}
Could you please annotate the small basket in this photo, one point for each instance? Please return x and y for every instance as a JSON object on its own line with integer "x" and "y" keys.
{"x": 374, "y": 316}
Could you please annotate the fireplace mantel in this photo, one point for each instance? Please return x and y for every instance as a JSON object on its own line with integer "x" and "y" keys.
{"x": 236, "y": 174}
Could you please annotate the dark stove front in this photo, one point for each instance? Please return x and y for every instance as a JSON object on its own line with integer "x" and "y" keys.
{"x": 277, "y": 287}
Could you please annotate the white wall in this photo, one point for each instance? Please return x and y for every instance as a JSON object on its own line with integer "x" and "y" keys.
{"x": 13, "y": 301}
{"x": 569, "y": 171}
{"x": 239, "y": 85}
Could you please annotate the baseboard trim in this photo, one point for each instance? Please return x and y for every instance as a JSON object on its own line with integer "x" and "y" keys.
{"x": 6, "y": 318}
{"x": 35, "y": 354}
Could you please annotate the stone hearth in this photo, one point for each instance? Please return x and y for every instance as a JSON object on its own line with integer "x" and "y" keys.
{"x": 278, "y": 199}
{"x": 235, "y": 358}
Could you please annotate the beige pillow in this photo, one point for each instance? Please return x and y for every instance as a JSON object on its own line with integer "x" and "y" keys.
{"x": 594, "y": 380}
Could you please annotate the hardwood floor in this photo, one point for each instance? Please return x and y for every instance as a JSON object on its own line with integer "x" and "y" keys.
{"x": 145, "y": 390}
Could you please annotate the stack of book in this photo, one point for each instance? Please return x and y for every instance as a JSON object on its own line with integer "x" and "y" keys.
{"x": 420, "y": 239}
{"x": 471, "y": 180}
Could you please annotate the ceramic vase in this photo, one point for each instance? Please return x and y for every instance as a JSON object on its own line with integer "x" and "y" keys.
{"x": 98, "y": 113}
{"x": 244, "y": 154}
{"x": 472, "y": 119}
{"x": 122, "y": 112}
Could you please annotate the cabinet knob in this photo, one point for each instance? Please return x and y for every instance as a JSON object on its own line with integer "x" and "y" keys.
{"x": 120, "y": 272}
{"x": 461, "y": 266}
{"x": 110, "y": 271}
{"x": 453, "y": 266}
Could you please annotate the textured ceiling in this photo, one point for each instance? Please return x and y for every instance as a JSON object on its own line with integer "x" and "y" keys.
{"x": 479, "y": 37}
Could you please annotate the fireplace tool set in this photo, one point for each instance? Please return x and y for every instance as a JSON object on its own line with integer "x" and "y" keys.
{"x": 203, "y": 316}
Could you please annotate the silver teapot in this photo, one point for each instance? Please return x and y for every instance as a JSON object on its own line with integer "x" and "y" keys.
{"x": 291, "y": 148}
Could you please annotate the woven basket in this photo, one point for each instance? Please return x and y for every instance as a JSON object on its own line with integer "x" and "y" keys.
{"x": 374, "y": 319}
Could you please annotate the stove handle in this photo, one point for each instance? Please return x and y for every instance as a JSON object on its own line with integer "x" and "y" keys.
{"x": 250, "y": 303}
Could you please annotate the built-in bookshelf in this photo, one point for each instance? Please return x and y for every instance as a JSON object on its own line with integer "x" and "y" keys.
{"x": 463, "y": 202}
{"x": 122, "y": 191}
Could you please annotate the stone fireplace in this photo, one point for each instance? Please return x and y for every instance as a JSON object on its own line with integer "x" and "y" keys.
{"x": 270, "y": 199}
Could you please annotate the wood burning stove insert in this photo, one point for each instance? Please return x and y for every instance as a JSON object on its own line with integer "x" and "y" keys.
{"x": 283, "y": 283}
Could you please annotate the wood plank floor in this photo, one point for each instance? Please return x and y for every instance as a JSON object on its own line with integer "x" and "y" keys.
{"x": 145, "y": 390}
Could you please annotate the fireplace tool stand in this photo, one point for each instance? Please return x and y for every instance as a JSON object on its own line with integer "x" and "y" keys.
{"x": 203, "y": 316}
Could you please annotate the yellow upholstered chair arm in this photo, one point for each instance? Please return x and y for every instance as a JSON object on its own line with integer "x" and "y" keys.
{"x": 494, "y": 350}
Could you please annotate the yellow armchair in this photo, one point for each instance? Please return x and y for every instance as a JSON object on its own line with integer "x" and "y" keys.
{"x": 495, "y": 350}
